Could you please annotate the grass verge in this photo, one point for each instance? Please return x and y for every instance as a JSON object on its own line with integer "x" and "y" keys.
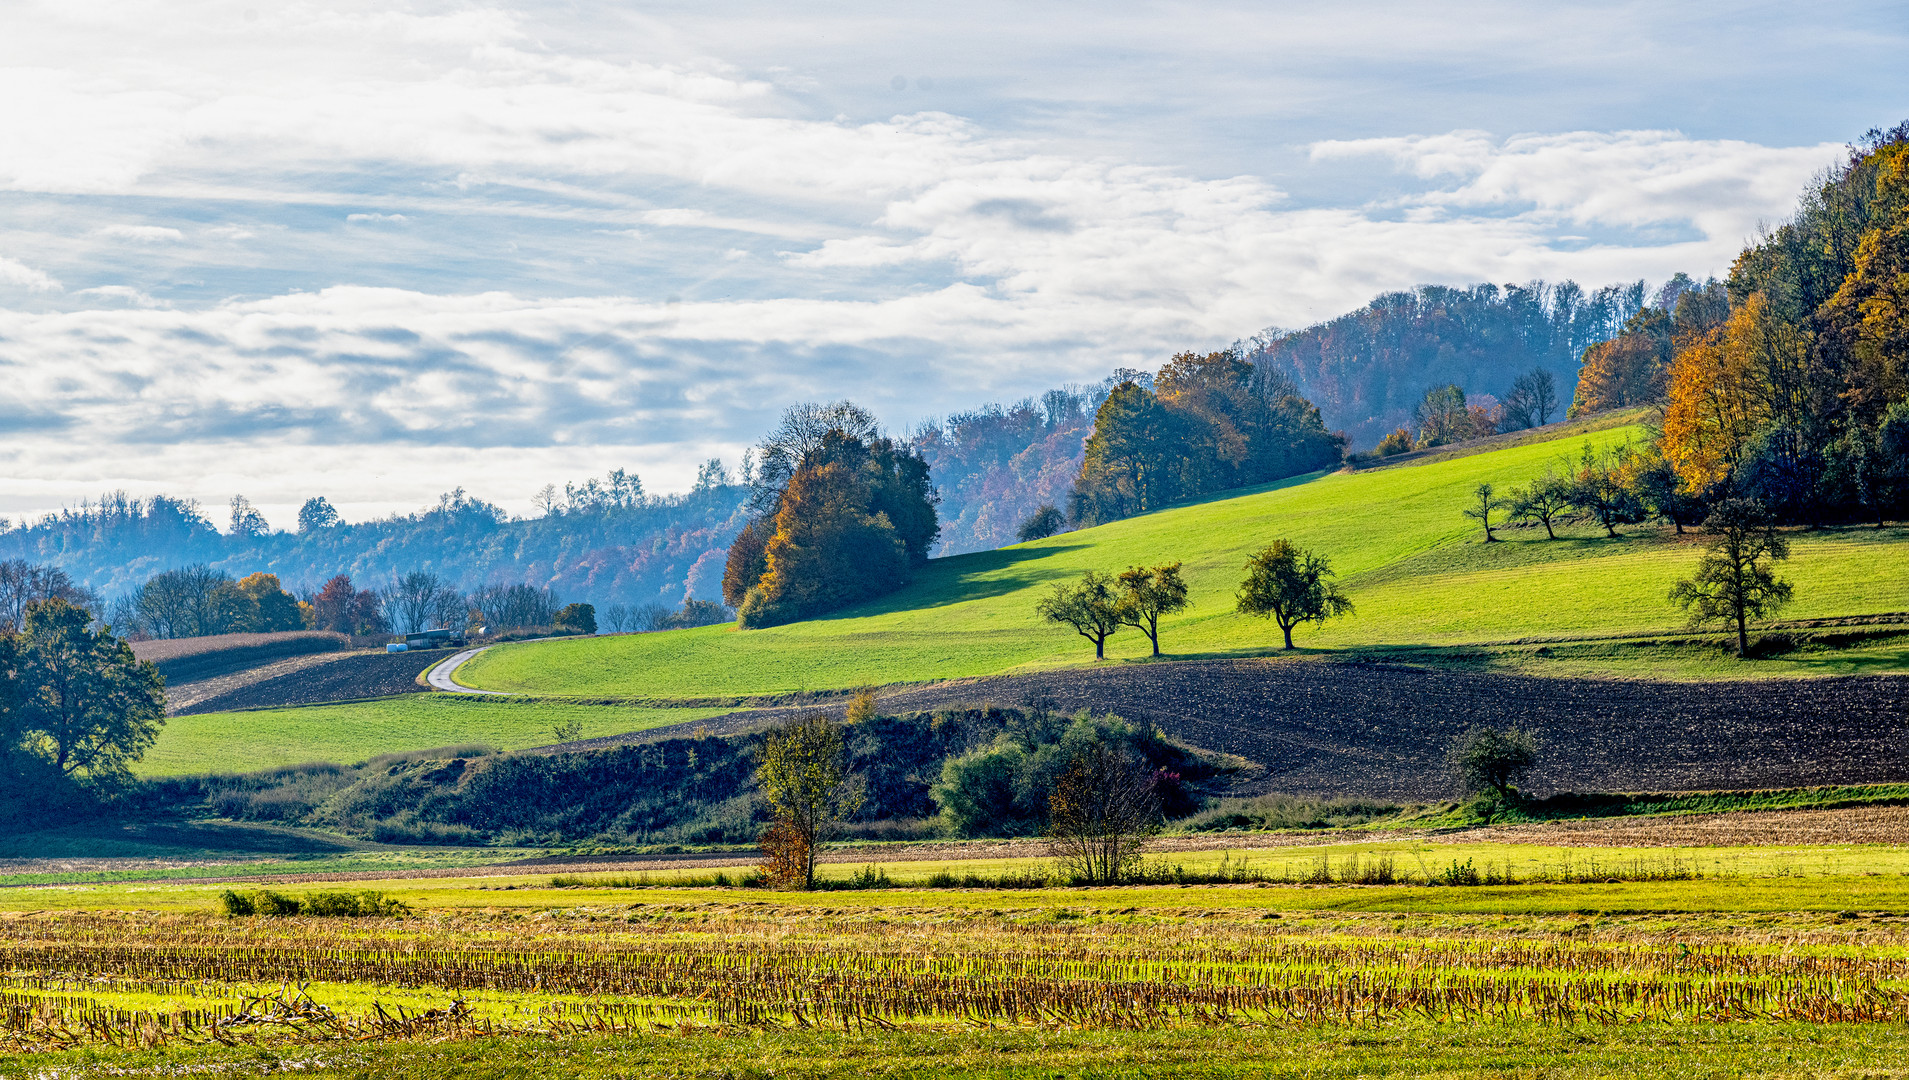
{"x": 255, "y": 740}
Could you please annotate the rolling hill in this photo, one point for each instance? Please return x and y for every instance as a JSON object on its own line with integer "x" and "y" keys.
{"x": 1407, "y": 557}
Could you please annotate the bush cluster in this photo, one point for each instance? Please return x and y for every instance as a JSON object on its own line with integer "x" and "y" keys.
{"x": 343, "y": 905}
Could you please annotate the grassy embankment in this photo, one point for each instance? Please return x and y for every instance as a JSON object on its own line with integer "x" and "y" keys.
{"x": 1413, "y": 565}
{"x": 258, "y": 739}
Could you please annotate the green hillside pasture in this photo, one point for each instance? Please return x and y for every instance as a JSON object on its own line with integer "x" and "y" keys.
{"x": 237, "y": 742}
{"x": 1408, "y": 558}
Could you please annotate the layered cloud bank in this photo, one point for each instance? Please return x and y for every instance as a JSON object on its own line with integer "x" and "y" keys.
{"x": 296, "y": 249}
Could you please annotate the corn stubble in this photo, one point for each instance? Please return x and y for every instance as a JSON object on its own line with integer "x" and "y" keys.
{"x": 653, "y": 969}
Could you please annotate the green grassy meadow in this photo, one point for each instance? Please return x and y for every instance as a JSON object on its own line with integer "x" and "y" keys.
{"x": 1410, "y": 561}
{"x": 235, "y": 742}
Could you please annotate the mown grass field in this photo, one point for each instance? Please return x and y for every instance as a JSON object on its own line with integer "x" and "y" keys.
{"x": 1396, "y": 536}
{"x": 248, "y": 741}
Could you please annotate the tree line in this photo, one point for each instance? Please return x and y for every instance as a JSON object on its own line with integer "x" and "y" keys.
{"x": 1367, "y": 370}
{"x": 1446, "y": 414}
{"x": 603, "y": 539}
{"x": 199, "y": 601}
{"x": 1204, "y": 423}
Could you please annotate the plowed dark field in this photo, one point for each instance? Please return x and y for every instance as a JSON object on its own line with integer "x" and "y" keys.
{"x": 360, "y": 675}
{"x": 1377, "y": 731}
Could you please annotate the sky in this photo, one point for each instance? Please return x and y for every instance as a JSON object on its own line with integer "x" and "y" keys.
{"x": 376, "y": 251}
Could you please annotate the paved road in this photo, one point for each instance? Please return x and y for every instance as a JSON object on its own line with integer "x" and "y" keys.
{"x": 440, "y": 676}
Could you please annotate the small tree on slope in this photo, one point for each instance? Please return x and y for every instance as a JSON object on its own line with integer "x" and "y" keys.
{"x": 1289, "y": 585}
{"x": 1734, "y": 582}
{"x": 1091, "y": 606}
{"x": 1148, "y": 592}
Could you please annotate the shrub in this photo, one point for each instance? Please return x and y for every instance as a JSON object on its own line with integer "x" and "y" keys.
{"x": 1042, "y": 524}
{"x": 576, "y": 618}
{"x": 1484, "y": 759}
{"x": 1398, "y": 442}
{"x": 366, "y": 904}
{"x": 267, "y": 902}
{"x": 338, "y": 904}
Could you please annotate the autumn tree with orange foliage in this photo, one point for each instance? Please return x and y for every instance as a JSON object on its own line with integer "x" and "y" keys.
{"x": 854, "y": 521}
{"x": 1750, "y": 373}
{"x": 1634, "y": 368}
{"x": 1867, "y": 320}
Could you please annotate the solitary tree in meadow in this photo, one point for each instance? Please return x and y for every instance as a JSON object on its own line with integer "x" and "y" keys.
{"x": 1100, "y": 816}
{"x": 1483, "y": 503}
{"x": 1092, "y": 606}
{"x": 1042, "y": 523}
{"x": 1289, "y": 586}
{"x": 804, "y": 776}
{"x": 1734, "y": 582}
{"x": 1148, "y": 592}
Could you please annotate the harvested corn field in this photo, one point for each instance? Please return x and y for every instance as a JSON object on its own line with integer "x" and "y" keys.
{"x": 133, "y": 980}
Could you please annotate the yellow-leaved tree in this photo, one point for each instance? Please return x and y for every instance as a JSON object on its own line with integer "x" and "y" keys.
{"x": 1732, "y": 382}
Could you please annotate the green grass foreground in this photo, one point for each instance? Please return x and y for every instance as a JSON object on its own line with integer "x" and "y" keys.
{"x": 249, "y": 741}
{"x": 1870, "y": 1051}
{"x": 1412, "y": 564}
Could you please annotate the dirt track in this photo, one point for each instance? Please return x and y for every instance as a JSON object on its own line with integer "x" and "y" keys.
{"x": 1378, "y": 731}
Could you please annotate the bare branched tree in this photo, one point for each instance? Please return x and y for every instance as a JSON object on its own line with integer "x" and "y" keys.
{"x": 1100, "y": 816}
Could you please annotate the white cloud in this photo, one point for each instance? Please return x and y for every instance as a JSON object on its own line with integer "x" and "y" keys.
{"x": 142, "y": 234}
{"x": 124, "y": 293}
{"x": 1721, "y": 187}
{"x": 14, "y": 272}
{"x": 374, "y": 219}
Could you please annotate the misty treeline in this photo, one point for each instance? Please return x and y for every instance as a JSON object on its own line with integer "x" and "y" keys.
{"x": 602, "y": 540}
{"x": 197, "y": 601}
{"x": 1369, "y": 369}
